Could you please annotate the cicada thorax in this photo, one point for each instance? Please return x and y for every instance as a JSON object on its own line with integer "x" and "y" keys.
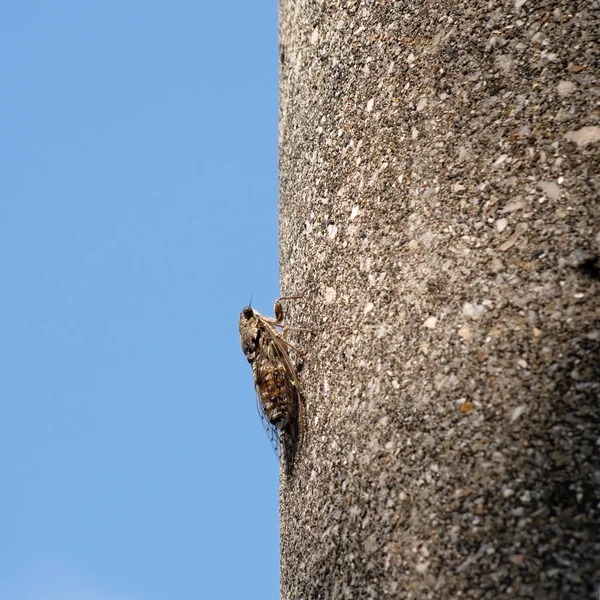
{"x": 274, "y": 385}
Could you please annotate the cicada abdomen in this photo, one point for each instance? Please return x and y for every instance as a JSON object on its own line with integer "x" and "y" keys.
{"x": 275, "y": 386}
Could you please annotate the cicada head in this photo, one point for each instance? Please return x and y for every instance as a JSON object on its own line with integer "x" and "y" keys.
{"x": 249, "y": 333}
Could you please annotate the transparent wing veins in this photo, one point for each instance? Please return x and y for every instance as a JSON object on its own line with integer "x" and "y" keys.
{"x": 270, "y": 429}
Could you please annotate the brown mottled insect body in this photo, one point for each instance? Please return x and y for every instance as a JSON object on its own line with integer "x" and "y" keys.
{"x": 277, "y": 393}
{"x": 275, "y": 377}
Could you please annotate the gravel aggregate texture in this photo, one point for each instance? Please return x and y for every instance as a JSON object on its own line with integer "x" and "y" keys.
{"x": 439, "y": 205}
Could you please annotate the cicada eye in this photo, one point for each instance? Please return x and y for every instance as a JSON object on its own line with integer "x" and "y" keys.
{"x": 248, "y": 312}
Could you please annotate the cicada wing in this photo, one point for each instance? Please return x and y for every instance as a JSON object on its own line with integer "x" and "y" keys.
{"x": 276, "y": 384}
{"x": 270, "y": 429}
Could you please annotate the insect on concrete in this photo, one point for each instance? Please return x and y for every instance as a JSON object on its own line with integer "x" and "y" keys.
{"x": 278, "y": 398}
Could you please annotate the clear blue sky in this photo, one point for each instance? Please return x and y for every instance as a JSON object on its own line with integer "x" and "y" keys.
{"x": 138, "y": 213}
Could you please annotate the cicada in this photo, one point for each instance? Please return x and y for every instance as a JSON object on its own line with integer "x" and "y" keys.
{"x": 275, "y": 376}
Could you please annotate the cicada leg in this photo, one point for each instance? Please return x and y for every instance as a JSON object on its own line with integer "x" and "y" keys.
{"x": 278, "y": 311}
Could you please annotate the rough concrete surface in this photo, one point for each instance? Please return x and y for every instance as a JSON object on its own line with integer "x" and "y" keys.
{"x": 439, "y": 192}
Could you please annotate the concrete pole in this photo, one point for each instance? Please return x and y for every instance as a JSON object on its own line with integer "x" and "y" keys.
{"x": 439, "y": 201}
